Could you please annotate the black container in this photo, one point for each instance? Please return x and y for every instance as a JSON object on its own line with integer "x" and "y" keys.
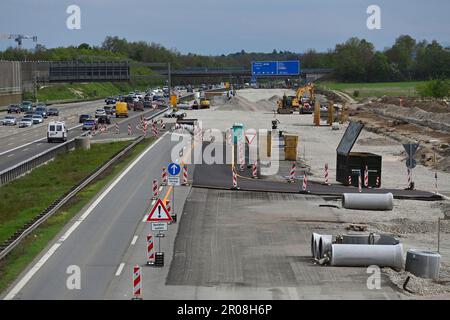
{"x": 354, "y": 163}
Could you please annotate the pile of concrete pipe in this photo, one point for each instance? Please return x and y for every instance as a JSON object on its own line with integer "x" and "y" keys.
{"x": 368, "y": 201}
{"x": 357, "y": 250}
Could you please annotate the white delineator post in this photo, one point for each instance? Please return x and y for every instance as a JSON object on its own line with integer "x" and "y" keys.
{"x": 292, "y": 173}
{"x": 185, "y": 175}
{"x": 255, "y": 170}
{"x": 129, "y": 129}
{"x": 235, "y": 185}
{"x": 326, "y": 173}
{"x": 305, "y": 182}
{"x": 359, "y": 183}
{"x": 349, "y": 180}
{"x": 366, "y": 177}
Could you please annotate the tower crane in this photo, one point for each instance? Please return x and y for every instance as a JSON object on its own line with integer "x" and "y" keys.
{"x": 18, "y": 38}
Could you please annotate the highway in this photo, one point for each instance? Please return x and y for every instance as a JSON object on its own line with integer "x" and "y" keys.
{"x": 98, "y": 238}
{"x": 19, "y": 147}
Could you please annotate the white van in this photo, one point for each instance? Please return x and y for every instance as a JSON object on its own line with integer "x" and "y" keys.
{"x": 56, "y": 131}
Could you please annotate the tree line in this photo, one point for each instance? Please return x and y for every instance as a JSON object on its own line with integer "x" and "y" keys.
{"x": 355, "y": 60}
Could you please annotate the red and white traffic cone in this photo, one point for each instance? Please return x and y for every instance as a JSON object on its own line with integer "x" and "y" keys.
{"x": 366, "y": 177}
{"x": 235, "y": 184}
{"x": 292, "y": 173}
{"x": 359, "y": 183}
{"x": 255, "y": 170}
{"x": 155, "y": 189}
{"x": 378, "y": 182}
{"x": 326, "y": 174}
{"x": 117, "y": 128}
{"x": 164, "y": 177}
{"x": 350, "y": 180}
{"x": 150, "y": 250}
{"x": 129, "y": 129}
{"x": 137, "y": 279}
{"x": 185, "y": 176}
{"x": 305, "y": 182}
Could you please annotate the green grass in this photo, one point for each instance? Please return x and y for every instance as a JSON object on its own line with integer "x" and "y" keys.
{"x": 376, "y": 89}
{"x": 19, "y": 258}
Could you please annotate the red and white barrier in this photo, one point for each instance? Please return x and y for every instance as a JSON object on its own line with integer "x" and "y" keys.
{"x": 117, "y": 128}
{"x": 164, "y": 177}
{"x": 408, "y": 172}
{"x": 349, "y": 180}
{"x": 145, "y": 127}
{"x": 150, "y": 250}
{"x": 129, "y": 129}
{"x": 326, "y": 173}
{"x": 359, "y": 183}
{"x": 255, "y": 170}
{"x": 137, "y": 279}
{"x": 155, "y": 189}
{"x": 305, "y": 182}
{"x": 366, "y": 177}
{"x": 292, "y": 173}
{"x": 169, "y": 206}
{"x": 185, "y": 175}
{"x": 235, "y": 185}
{"x": 154, "y": 129}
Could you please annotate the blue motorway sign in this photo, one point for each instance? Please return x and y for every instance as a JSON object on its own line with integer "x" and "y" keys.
{"x": 174, "y": 169}
{"x": 275, "y": 68}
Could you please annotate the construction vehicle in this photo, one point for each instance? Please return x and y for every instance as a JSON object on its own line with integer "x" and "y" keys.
{"x": 204, "y": 103}
{"x": 289, "y": 104}
{"x": 18, "y": 38}
{"x": 121, "y": 109}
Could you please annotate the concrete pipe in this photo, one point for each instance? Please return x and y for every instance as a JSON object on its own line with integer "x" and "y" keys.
{"x": 424, "y": 264}
{"x": 355, "y": 239}
{"x": 314, "y": 244}
{"x": 363, "y": 255}
{"x": 366, "y": 201}
{"x": 325, "y": 243}
{"x": 386, "y": 239}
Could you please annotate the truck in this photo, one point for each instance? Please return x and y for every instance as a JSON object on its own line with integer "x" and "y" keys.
{"x": 121, "y": 109}
{"x": 57, "y": 131}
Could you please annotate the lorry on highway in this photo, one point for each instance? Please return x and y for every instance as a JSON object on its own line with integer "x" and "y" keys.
{"x": 121, "y": 109}
{"x": 57, "y": 131}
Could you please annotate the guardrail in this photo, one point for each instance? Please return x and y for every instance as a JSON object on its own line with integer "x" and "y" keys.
{"x": 20, "y": 234}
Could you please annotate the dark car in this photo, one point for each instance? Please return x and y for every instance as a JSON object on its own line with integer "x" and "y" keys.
{"x": 138, "y": 106}
{"x": 110, "y": 100}
{"x": 147, "y": 104}
{"x": 42, "y": 111}
{"x": 109, "y": 109}
{"x": 13, "y": 108}
{"x": 83, "y": 117}
{"x": 53, "y": 112}
{"x": 26, "y": 106}
{"x": 104, "y": 119}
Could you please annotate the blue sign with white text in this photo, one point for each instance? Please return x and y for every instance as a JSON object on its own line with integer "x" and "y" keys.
{"x": 276, "y": 68}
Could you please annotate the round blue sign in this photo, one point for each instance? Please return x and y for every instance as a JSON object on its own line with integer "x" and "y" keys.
{"x": 174, "y": 169}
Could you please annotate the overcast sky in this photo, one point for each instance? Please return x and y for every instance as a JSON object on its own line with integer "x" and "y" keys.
{"x": 225, "y": 26}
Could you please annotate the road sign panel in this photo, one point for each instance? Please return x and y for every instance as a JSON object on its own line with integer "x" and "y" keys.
{"x": 411, "y": 163}
{"x": 174, "y": 169}
{"x": 411, "y": 149}
{"x": 159, "y": 226}
{"x": 274, "y": 68}
{"x": 159, "y": 213}
{"x": 173, "y": 180}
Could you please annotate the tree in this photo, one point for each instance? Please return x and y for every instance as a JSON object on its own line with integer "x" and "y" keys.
{"x": 84, "y": 46}
{"x": 402, "y": 55}
{"x": 378, "y": 69}
{"x": 352, "y": 59}
{"x": 438, "y": 88}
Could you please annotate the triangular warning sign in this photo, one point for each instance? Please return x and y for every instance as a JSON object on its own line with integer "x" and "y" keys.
{"x": 250, "y": 135}
{"x": 159, "y": 213}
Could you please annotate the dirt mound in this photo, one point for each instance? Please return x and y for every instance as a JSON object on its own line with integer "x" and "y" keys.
{"x": 241, "y": 104}
{"x": 274, "y": 98}
{"x": 434, "y": 106}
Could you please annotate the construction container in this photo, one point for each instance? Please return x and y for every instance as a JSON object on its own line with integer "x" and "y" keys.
{"x": 353, "y": 164}
{"x": 290, "y": 147}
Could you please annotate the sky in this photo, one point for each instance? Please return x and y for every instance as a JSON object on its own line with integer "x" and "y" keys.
{"x": 215, "y": 27}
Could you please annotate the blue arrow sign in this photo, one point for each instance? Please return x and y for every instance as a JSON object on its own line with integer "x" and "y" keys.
{"x": 174, "y": 169}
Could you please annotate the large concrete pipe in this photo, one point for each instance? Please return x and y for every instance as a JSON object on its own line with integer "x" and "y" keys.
{"x": 315, "y": 237}
{"x": 366, "y": 201}
{"x": 356, "y": 239}
{"x": 372, "y": 238}
{"x": 363, "y": 255}
{"x": 424, "y": 264}
{"x": 315, "y": 244}
{"x": 325, "y": 243}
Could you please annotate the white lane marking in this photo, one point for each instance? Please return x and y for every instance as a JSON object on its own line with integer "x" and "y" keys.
{"x": 145, "y": 218}
{"x": 133, "y": 242}
{"x": 19, "y": 286}
{"x": 32, "y": 271}
{"x": 153, "y": 202}
{"x": 27, "y": 144}
{"x": 39, "y": 144}
{"x": 10, "y": 143}
{"x": 12, "y": 154}
{"x": 160, "y": 188}
{"x": 25, "y": 149}
{"x": 119, "y": 269}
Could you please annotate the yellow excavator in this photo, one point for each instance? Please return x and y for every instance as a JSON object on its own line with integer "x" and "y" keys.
{"x": 289, "y": 104}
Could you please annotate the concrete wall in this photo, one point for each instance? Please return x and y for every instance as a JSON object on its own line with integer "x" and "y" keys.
{"x": 10, "y": 82}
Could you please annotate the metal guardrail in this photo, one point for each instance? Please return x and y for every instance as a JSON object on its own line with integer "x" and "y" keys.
{"x": 20, "y": 234}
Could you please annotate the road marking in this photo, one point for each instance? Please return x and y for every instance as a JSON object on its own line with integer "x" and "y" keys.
{"x": 133, "y": 242}
{"x": 52, "y": 250}
{"x": 32, "y": 271}
{"x": 25, "y": 149}
{"x": 145, "y": 218}
{"x": 10, "y": 143}
{"x": 160, "y": 188}
{"x": 119, "y": 269}
{"x": 11, "y": 155}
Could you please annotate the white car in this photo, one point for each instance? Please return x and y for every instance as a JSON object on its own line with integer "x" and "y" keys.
{"x": 9, "y": 121}
{"x": 37, "y": 119}
{"x": 100, "y": 112}
{"x": 57, "y": 131}
{"x": 25, "y": 122}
